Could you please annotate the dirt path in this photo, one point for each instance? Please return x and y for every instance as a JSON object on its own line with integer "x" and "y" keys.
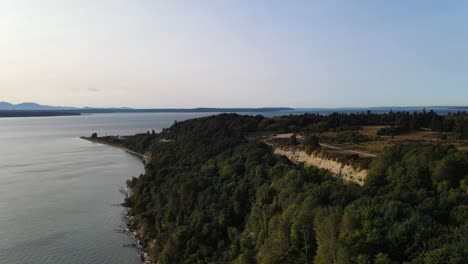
{"x": 347, "y": 150}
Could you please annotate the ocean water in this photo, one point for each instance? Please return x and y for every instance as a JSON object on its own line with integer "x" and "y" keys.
{"x": 59, "y": 195}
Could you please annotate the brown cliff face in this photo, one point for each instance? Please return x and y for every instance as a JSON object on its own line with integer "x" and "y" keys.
{"x": 343, "y": 171}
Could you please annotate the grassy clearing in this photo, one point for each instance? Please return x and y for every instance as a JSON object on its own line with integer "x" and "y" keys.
{"x": 376, "y": 143}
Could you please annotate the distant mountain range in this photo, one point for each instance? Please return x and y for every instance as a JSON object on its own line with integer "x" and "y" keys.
{"x": 4, "y": 106}
{"x": 32, "y": 107}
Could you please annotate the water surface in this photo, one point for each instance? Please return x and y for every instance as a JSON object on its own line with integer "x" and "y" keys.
{"x": 59, "y": 194}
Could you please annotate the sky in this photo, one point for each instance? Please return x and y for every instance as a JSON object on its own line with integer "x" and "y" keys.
{"x": 234, "y": 53}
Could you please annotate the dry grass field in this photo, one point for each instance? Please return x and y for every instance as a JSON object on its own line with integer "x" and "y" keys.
{"x": 377, "y": 143}
{"x": 374, "y": 144}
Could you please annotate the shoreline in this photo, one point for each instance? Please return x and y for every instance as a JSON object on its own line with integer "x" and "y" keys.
{"x": 129, "y": 226}
{"x": 132, "y": 231}
{"x": 144, "y": 157}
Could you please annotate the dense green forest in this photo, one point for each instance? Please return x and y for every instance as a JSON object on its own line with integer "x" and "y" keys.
{"x": 210, "y": 195}
{"x": 397, "y": 122}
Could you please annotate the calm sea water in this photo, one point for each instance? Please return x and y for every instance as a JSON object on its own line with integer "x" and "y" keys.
{"x": 59, "y": 194}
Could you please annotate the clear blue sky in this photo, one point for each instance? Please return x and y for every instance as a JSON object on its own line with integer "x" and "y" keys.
{"x": 234, "y": 53}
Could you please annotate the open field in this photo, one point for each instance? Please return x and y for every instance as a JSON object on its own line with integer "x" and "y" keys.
{"x": 377, "y": 143}
{"x": 374, "y": 143}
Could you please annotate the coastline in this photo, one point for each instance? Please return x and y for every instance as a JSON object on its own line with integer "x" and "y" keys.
{"x": 143, "y": 156}
{"x": 129, "y": 227}
{"x": 132, "y": 230}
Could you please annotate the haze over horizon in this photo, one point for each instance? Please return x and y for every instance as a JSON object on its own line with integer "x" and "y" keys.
{"x": 37, "y": 106}
{"x": 178, "y": 54}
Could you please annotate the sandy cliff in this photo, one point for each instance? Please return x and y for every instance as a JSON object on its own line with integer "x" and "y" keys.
{"x": 343, "y": 171}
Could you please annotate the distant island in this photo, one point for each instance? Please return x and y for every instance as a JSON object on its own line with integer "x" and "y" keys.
{"x": 183, "y": 110}
{"x": 35, "y": 113}
{"x": 36, "y": 110}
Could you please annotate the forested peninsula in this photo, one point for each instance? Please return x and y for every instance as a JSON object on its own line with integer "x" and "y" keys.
{"x": 35, "y": 113}
{"x": 215, "y": 192}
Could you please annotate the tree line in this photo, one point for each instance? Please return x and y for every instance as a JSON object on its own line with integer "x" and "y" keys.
{"x": 399, "y": 122}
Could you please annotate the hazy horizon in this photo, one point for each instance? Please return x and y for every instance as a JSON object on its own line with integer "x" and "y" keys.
{"x": 178, "y": 54}
{"x": 247, "y": 107}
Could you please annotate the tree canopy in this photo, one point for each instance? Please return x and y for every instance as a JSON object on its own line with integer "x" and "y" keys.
{"x": 210, "y": 195}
